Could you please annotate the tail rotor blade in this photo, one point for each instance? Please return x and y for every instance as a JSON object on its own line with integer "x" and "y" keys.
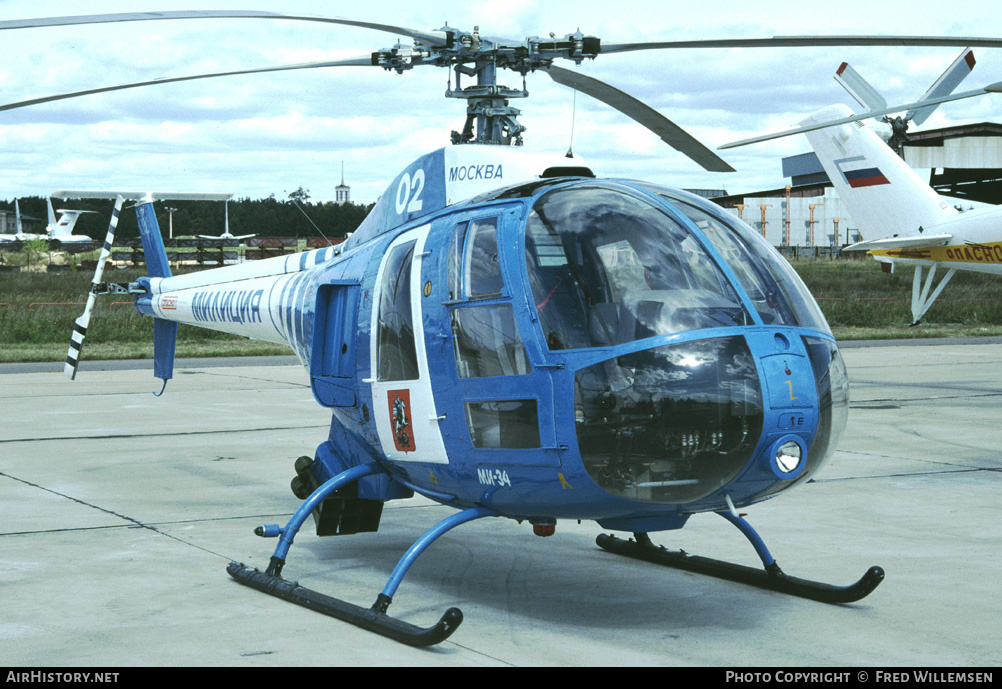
{"x": 81, "y": 324}
{"x": 859, "y": 88}
{"x": 943, "y": 86}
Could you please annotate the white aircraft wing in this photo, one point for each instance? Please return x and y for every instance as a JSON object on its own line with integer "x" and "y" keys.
{"x": 910, "y": 242}
{"x": 139, "y": 195}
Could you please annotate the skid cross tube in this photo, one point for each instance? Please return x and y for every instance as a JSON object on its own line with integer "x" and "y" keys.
{"x": 374, "y": 618}
{"x": 418, "y": 547}
{"x": 288, "y": 534}
{"x": 771, "y": 577}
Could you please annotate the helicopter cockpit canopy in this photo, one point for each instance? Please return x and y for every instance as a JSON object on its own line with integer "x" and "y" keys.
{"x": 616, "y": 268}
{"x": 607, "y": 268}
{"x": 609, "y": 265}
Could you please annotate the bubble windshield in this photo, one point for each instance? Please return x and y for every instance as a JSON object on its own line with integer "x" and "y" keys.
{"x": 778, "y": 293}
{"x": 607, "y": 267}
{"x": 669, "y": 424}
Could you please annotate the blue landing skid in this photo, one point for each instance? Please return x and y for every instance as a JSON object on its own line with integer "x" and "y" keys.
{"x": 771, "y": 577}
{"x": 375, "y": 618}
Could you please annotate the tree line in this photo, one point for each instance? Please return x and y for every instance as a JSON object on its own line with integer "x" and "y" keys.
{"x": 296, "y": 216}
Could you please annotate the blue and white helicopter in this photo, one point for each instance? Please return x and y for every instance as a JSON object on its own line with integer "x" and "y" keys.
{"x": 512, "y": 336}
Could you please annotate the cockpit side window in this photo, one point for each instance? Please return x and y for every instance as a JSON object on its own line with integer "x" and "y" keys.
{"x": 395, "y": 348}
{"x": 607, "y": 267}
{"x": 777, "y": 292}
{"x": 456, "y": 246}
{"x": 485, "y": 338}
{"x": 474, "y": 266}
{"x": 486, "y": 341}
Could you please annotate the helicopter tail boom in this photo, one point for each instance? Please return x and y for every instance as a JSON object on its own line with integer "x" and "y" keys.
{"x": 262, "y": 300}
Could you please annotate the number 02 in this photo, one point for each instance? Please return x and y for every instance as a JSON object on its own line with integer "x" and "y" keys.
{"x": 409, "y": 192}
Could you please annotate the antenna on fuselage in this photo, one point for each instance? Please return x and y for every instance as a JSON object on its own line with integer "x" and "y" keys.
{"x": 574, "y": 112}
{"x": 296, "y": 204}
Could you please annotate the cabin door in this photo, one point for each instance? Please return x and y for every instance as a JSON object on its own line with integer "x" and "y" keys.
{"x": 403, "y": 404}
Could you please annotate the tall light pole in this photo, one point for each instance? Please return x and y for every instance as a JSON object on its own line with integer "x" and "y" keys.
{"x": 171, "y": 220}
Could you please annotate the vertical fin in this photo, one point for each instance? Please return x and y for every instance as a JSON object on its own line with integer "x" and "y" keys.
{"x": 153, "y": 242}
{"x": 164, "y": 344}
{"x": 884, "y": 196}
{"x": 164, "y": 331}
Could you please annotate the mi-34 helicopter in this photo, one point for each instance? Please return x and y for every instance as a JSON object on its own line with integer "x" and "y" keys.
{"x": 512, "y": 336}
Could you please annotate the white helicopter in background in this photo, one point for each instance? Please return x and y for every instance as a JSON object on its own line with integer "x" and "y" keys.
{"x": 903, "y": 219}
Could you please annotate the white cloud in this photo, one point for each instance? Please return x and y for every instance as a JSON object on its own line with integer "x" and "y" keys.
{"x": 260, "y": 134}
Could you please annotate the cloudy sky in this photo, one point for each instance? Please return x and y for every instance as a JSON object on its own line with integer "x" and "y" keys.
{"x": 258, "y": 135}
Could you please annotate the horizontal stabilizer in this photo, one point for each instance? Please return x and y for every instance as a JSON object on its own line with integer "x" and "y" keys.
{"x": 140, "y": 195}
{"x": 911, "y": 242}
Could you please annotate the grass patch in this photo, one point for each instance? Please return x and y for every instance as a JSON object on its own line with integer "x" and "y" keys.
{"x": 56, "y": 352}
{"x": 862, "y": 302}
{"x": 37, "y": 311}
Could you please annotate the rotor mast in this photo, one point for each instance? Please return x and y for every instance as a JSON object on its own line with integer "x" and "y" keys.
{"x": 490, "y": 118}
{"x": 487, "y": 107}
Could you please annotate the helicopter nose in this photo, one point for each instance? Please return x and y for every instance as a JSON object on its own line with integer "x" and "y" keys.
{"x": 670, "y": 424}
{"x": 676, "y": 424}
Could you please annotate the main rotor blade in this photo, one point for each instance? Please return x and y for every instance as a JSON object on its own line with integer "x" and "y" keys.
{"x": 991, "y": 88}
{"x": 350, "y": 62}
{"x": 435, "y": 38}
{"x": 670, "y": 133}
{"x": 807, "y": 42}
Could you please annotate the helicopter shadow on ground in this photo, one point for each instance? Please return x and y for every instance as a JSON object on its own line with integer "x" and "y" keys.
{"x": 496, "y": 569}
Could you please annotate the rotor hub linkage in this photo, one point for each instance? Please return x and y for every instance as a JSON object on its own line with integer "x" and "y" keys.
{"x": 470, "y": 54}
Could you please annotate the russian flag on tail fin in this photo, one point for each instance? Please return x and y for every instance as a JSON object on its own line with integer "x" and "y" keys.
{"x": 881, "y": 192}
{"x": 865, "y": 177}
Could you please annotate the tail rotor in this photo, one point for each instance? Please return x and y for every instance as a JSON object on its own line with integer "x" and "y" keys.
{"x": 81, "y": 324}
